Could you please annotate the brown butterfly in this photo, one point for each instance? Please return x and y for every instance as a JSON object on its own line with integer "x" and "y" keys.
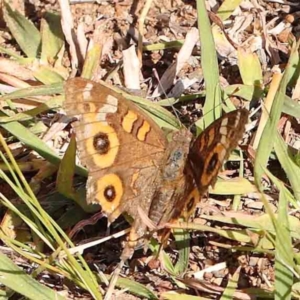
{"x": 133, "y": 167}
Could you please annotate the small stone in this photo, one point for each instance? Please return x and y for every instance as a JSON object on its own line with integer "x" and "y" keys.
{"x": 255, "y": 205}
{"x": 253, "y": 261}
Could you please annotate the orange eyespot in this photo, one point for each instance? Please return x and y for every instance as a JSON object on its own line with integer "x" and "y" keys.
{"x": 109, "y": 192}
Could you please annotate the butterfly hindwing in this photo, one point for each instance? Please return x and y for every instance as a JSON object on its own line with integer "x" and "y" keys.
{"x": 213, "y": 146}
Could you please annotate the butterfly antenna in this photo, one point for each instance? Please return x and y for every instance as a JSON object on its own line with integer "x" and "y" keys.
{"x": 165, "y": 94}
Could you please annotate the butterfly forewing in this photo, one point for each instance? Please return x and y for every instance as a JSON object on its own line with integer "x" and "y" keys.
{"x": 117, "y": 142}
{"x": 213, "y": 146}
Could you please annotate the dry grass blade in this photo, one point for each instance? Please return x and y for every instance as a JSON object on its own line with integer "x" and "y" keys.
{"x": 266, "y": 108}
{"x": 68, "y": 29}
{"x": 184, "y": 54}
{"x": 131, "y": 69}
{"x": 141, "y": 22}
{"x": 81, "y": 248}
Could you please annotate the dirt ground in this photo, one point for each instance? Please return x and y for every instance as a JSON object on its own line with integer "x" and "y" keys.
{"x": 262, "y": 27}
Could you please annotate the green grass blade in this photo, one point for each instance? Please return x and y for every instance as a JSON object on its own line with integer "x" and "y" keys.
{"x": 23, "y": 31}
{"x": 10, "y": 53}
{"x": 92, "y": 61}
{"x": 136, "y": 289}
{"x": 163, "y": 45}
{"x": 42, "y": 90}
{"x": 182, "y": 238}
{"x": 17, "y": 280}
{"x": 262, "y": 222}
{"x": 250, "y": 68}
{"x": 212, "y": 107}
{"x": 291, "y": 169}
{"x": 52, "y": 37}
{"x": 48, "y": 75}
{"x": 236, "y": 235}
{"x": 283, "y": 281}
{"x": 265, "y": 146}
{"x": 54, "y": 102}
{"x": 247, "y": 92}
{"x": 231, "y": 286}
{"x": 234, "y": 186}
{"x": 180, "y": 296}
{"x": 64, "y": 180}
{"x": 227, "y": 8}
{"x": 167, "y": 263}
{"x": 33, "y": 142}
{"x": 291, "y": 107}
{"x": 283, "y": 265}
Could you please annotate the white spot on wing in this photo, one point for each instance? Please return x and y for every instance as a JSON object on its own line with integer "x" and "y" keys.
{"x": 101, "y": 116}
{"x": 224, "y": 122}
{"x": 87, "y": 91}
{"x": 112, "y": 100}
{"x": 86, "y": 95}
{"x": 223, "y": 140}
{"x": 108, "y": 108}
{"x": 111, "y": 106}
{"x": 223, "y": 130}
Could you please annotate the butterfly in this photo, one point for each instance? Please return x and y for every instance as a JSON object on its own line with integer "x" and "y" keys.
{"x": 133, "y": 167}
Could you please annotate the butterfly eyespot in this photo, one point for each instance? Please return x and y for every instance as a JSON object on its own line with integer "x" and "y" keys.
{"x": 110, "y": 193}
{"x": 101, "y": 143}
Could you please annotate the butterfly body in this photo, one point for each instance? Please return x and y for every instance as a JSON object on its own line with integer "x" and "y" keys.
{"x": 133, "y": 168}
{"x": 174, "y": 180}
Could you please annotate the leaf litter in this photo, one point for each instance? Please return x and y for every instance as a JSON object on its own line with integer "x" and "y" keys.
{"x": 232, "y": 235}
